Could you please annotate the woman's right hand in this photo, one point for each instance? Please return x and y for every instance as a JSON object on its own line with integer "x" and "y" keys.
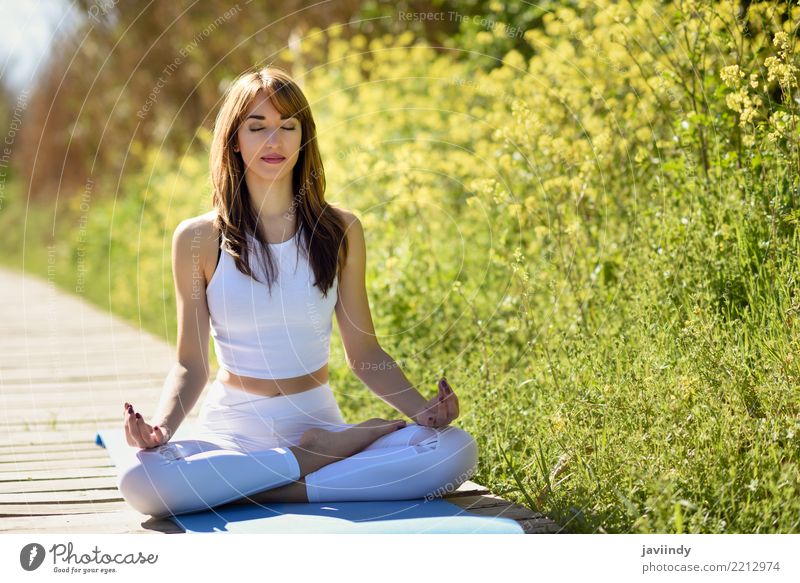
{"x": 141, "y": 434}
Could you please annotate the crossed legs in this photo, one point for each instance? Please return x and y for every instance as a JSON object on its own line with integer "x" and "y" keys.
{"x": 410, "y": 463}
{"x": 370, "y": 461}
{"x": 194, "y": 474}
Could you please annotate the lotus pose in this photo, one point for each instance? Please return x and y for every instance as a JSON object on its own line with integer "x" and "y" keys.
{"x": 263, "y": 273}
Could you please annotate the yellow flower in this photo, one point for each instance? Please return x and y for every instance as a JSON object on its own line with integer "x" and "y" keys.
{"x": 781, "y": 40}
{"x": 359, "y": 41}
{"x": 405, "y": 39}
{"x": 603, "y": 141}
{"x": 731, "y": 74}
{"x": 484, "y": 38}
{"x": 514, "y": 58}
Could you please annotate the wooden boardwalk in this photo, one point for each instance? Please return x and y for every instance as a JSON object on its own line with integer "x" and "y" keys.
{"x": 65, "y": 370}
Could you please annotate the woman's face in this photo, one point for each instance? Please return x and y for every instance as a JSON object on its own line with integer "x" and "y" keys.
{"x": 265, "y": 134}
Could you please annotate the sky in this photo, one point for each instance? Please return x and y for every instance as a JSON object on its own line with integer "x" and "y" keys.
{"x": 27, "y": 29}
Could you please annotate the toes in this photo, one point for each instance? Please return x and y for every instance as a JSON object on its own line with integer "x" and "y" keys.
{"x": 310, "y": 437}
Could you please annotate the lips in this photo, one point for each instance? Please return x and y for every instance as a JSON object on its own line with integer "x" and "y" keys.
{"x": 273, "y": 158}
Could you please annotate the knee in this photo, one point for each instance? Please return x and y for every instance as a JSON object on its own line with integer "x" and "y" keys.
{"x": 463, "y": 448}
{"x": 138, "y": 489}
{"x": 458, "y": 460}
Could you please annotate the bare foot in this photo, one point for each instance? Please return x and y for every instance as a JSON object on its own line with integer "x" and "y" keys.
{"x": 319, "y": 447}
{"x": 341, "y": 444}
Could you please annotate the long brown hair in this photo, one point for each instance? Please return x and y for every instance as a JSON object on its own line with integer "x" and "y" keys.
{"x": 320, "y": 228}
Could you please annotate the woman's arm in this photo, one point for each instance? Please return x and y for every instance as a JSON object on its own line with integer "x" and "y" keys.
{"x": 191, "y": 243}
{"x": 365, "y": 357}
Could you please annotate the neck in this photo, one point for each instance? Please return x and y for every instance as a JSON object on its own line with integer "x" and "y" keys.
{"x": 271, "y": 199}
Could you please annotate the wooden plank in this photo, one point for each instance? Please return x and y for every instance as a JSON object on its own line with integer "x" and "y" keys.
{"x": 78, "y": 456}
{"x": 87, "y": 345}
{"x": 19, "y": 452}
{"x": 507, "y": 510}
{"x": 13, "y": 437}
{"x": 35, "y": 376}
{"x": 58, "y": 485}
{"x": 59, "y": 366}
{"x": 96, "y": 461}
{"x": 532, "y": 522}
{"x": 481, "y": 500}
{"x": 68, "y": 432}
{"x": 105, "y": 349}
{"x": 91, "y": 384}
{"x": 43, "y": 509}
{"x": 71, "y": 401}
{"x": 66, "y": 326}
{"x": 50, "y": 421}
{"x": 41, "y": 447}
{"x": 72, "y": 351}
{"x": 105, "y": 495}
{"x": 58, "y": 474}
{"x": 468, "y": 488}
{"x": 541, "y": 526}
{"x": 42, "y": 337}
{"x": 119, "y": 522}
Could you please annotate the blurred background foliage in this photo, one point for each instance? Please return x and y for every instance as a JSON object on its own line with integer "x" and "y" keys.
{"x": 584, "y": 213}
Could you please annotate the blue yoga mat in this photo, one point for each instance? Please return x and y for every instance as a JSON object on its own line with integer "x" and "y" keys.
{"x": 420, "y": 516}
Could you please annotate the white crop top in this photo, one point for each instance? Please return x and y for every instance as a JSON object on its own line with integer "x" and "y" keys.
{"x": 270, "y": 337}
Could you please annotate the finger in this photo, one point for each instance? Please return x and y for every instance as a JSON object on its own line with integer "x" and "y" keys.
{"x": 442, "y": 384}
{"x": 130, "y": 426}
{"x": 441, "y": 413}
{"x": 144, "y": 431}
{"x": 446, "y": 401}
{"x": 436, "y": 412}
{"x": 159, "y": 434}
{"x": 128, "y": 436}
{"x": 445, "y": 413}
{"x": 452, "y": 406}
{"x": 149, "y": 432}
{"x": 136, "y": 430}
{"x": 451, "y": 399}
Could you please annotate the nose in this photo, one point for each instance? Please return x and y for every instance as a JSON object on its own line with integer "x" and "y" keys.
{"x": 272, "y": 137}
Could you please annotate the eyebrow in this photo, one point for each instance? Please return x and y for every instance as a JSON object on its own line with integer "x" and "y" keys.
{"x": 261, "y": 117}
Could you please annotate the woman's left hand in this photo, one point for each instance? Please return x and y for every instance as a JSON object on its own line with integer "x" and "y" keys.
{"x": 441, "y": 410}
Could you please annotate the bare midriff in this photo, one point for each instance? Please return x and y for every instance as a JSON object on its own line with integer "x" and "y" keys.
{"x": 275, "y": 387}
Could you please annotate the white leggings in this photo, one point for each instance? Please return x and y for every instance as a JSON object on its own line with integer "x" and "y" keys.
{"x": 242, "y": 448}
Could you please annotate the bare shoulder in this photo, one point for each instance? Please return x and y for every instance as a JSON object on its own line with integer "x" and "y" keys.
{"x": 197, "y": 238}
{"x": 351, "y": 222}
{"x": 198, "y": 229}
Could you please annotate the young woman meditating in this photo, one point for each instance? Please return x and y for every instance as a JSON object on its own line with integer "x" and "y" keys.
{"x": 263, "y": 273}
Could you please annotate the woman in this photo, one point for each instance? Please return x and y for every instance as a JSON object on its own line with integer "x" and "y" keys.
{"x": 275, "y": 261}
